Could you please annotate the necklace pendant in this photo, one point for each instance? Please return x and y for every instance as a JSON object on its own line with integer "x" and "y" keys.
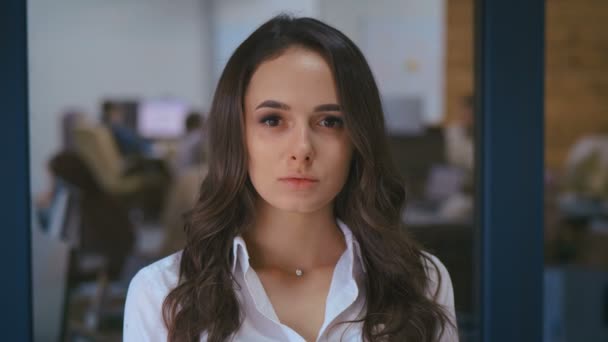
{"x": 299, "y": 272}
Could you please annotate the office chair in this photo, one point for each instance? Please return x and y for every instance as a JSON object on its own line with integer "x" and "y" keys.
{"x": 141, "y": 183}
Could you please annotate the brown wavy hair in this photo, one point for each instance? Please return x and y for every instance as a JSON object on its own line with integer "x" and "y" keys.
{"x": 370, "y": 203}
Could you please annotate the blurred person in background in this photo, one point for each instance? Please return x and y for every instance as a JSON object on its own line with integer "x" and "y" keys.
{"x": 584, "y": 180}
{"x": 460, "y": 157}
{"x": 128, "y": 141}
{"x": 190, "y": 149}
{"x": 459, "y": 137}
{"x": 45, "y": 201}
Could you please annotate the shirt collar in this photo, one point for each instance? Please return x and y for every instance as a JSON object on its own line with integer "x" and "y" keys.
{"x": 240, "y": 254}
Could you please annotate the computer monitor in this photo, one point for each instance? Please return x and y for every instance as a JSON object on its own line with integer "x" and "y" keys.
{"x": 161, "y": 118}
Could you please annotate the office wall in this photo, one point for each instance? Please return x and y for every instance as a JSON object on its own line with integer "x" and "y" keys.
{"x": 404, "y": 43}
{"x": 234, "y": 20}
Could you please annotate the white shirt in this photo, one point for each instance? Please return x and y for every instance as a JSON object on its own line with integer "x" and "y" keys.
{"x": 345, "y": 301}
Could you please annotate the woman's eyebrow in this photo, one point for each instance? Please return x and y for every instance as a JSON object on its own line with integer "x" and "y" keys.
{"x": 329, "y": 107}
{"x": 273, "y": 104}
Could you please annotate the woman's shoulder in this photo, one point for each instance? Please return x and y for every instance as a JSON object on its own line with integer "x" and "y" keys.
{"x": 433, "y": 264}
{"x": 152, "y": 283}
{"x": 160, "y": 275}
{"x": 440, "y": 290}
{"x": 440, "y": 284}
{"x": 147, "y": 292}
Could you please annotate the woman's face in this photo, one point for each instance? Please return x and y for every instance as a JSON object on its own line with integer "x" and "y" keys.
{"x": 299, "y": 150}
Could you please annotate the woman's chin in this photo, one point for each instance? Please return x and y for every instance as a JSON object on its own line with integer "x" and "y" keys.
{"x": 299, "y": 206}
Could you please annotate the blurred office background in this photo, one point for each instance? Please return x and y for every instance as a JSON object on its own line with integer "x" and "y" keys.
{"x": 114, "y": 166}
{"x": 120, "y": 90}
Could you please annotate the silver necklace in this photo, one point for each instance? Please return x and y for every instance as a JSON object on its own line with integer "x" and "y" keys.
{"x": 299, "y": 272}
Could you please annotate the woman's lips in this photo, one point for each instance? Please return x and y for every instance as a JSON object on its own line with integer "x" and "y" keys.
{"x": 299, "y": 183}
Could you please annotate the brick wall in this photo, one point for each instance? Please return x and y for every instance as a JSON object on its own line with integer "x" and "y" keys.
{"x": 576, "y": 100}
{"x": 459, "y": 54}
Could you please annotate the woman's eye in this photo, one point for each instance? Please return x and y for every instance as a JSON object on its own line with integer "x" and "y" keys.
{"x": 332, "y": 122}
{"x": 271, "y": 121}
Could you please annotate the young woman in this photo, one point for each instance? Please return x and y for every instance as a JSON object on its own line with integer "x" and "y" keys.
{"x": 297, "y": 233}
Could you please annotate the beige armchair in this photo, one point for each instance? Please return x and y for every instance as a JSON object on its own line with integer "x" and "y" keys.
{"x": 142, "y": 187}
{"x": 97, "y": 148}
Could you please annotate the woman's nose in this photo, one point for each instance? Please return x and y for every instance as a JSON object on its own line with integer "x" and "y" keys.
{"x": 302, "y": 147}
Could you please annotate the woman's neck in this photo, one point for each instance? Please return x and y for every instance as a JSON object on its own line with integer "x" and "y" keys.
{"x": 286, "y": 240}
